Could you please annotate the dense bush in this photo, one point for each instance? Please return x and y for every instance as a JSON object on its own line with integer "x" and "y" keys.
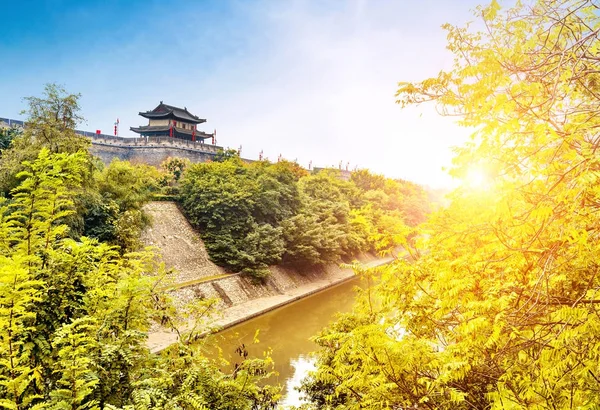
{"x": 7, "y": 135}
{"x": 254, "y": 215}
{"x": 232, "y": 206}
{"x": 111, "y": 207}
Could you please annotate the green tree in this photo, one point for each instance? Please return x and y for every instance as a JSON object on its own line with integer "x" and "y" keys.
{"x": 18, "y": 292}
{"x": 7, "y": 135}
{"x": 318, "y": 233}
{"x": 50, "y": 124}
{"x": 129, "y": 185}
{"x": 226, "y": 200}
{"x": 311, "y": 240}
{"x": 31, "y": 229}
{"x": 499, "y": 307}
{"x": 110, "y": 207}
{"x": 254, "y": 215}
{"x": 278, "y": 197}
{"x": 175, "y": 166}
{"x": 74, "y": 343}
{"x": 226, "y": 155}
{"x": 51, "y": 121}
{"x": 74, "y": 315}
{"x": 410, "y": 199}
{"x": 366, "y": 181}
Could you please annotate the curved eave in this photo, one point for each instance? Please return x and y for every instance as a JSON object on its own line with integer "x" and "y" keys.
{"x": 166, "y": 131}
{"x": 156, "y": 115}
{"x": 166, "y": 115}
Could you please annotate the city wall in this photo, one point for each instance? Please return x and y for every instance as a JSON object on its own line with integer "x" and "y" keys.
{"x": 148, "y": 150}
{"x": 151, "y": 154}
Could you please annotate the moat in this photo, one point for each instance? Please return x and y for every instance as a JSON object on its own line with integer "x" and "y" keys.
{"x": 287, "y": 331}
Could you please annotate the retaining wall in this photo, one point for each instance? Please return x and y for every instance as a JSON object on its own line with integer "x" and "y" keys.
{"x": 236, "y": 290}
{"x": 183, "y": 251}
{"x": 178, "y": 243}
{"x": 239, "y": 298}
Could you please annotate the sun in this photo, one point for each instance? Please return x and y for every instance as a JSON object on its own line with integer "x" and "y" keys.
{"x": 476, "y": 178}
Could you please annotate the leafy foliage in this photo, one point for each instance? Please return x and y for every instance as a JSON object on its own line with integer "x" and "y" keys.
{"x": 221, "y": 199}
{"x": 499, "y": 308}
{"x": 254, "y": 215}
{"x": 170, "y": 172}
{"x": 225, "y": 155}
{"x": 113, "y": 207}
{"x": 7, "y": 135}
{"x": 51, "y": 124}
{"x": 74, "y": 308}
{"x": 74, "y": 314}
{"x": 175, "y": 166}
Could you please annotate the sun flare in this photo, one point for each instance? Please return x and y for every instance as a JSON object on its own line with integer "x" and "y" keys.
{"x": 476, "y": 178}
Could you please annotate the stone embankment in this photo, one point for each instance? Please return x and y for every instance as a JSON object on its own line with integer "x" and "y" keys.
{"x": 179, "y": 245}
{"x": 239, "y": 299}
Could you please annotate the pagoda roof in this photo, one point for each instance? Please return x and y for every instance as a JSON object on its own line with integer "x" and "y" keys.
{"x": 146, "y": 129}
{"x": 170, "y": 111}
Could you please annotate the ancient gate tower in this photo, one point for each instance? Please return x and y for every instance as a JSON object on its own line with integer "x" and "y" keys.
{"x": 172, "y": 122}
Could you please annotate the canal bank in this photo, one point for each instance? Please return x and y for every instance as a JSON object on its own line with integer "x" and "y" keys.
{"x": 194, "y": 276}
{"x": 241, "y": 300}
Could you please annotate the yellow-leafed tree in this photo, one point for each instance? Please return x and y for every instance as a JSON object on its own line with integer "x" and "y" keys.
{"x": 500, "y": 306}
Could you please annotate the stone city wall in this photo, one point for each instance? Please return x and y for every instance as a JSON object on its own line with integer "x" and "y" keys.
{"x": 151, "y": 155}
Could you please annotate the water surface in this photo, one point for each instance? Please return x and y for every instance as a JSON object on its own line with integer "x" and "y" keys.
{"x": 287, "y": 331}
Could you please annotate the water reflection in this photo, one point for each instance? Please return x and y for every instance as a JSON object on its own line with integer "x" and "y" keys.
{"x": 287, "y": 331}
{"x": 302, "y": 365}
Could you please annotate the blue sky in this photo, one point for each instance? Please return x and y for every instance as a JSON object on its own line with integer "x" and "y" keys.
{"x": 311, "y": 80}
